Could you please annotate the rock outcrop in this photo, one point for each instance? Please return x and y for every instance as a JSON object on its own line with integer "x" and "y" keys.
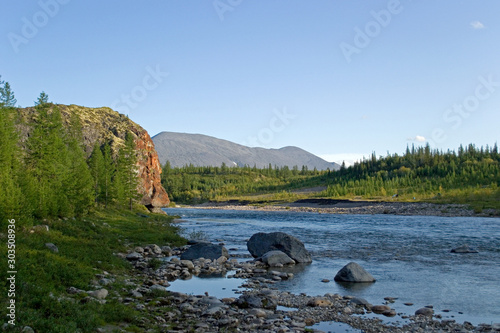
{"x": 353, "y": 272}
{"x": 261, "y": 243}
{"x": 105, "y": 125}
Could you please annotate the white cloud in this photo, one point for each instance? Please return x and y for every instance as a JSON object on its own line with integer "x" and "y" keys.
{"x": 349, "y": 158}
{"x": 477, "y": 25}
{"x": 417, "y": 138}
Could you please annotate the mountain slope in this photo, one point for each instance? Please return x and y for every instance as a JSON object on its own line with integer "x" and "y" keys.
{"x": 202, "y": 150}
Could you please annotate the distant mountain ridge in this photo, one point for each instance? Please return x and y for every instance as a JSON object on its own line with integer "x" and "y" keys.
{"x": 203, "y": 150}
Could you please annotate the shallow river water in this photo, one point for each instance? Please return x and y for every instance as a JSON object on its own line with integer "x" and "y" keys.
{"x": 408, "y": 255}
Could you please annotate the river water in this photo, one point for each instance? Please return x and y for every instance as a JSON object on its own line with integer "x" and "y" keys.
{"x": 408, "y": 255}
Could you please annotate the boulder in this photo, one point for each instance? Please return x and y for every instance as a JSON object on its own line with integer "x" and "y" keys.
{"x": 353, "y": 272}
{"x": 205, "y": 250}
{"x": 277, "y": 258}
{"x": 261, "y": 243}
{"x": 52, "y": 247}
{"x": 464, "y": 249}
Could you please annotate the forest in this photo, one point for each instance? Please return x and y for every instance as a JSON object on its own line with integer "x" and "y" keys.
{"x": 469, "y": 174}
{"x": 46, "y": 173}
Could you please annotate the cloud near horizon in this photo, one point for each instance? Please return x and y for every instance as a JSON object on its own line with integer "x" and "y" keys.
{"x": 477, "y": 25}
{"x": 417, "y": 138}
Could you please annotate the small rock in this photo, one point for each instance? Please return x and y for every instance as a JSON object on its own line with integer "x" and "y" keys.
{"x": 319, "y": 302}
{"x": 464, "y": 249}
{"x": 99, "y": 294}
{"x": 325, "y": 280}
{"x": 134, "y": 256}
{"x": 27, "y": 329}
{"x": 380, "y": 309}
{"x": 139, "y": 249}
{"x": 408, "y": 304}
{"x": 424, "y": 312}
{"x": 52, "y": 247}
{"x": 155, "y": 287}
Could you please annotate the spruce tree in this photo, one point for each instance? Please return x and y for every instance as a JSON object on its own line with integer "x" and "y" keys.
{"x": 79, "y": 184}
{"x": 96, "y": 165}
{"x": 47, "y": 163}
{"x": 10, "y": 168}
{"x": 106, "y": 192}
{"x": 126, "y": 180}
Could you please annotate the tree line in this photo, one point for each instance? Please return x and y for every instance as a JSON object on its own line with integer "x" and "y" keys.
{"x": 48, "y": 174}
{"x": 193, "y": 184}
{"x": 420, "y": 172}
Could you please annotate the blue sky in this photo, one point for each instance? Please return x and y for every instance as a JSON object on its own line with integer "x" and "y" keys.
{"x": 337, "y": 78}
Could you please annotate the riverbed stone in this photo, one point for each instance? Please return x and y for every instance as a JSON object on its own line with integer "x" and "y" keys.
{"x": 427, "y": 312}
{"x": 353, "y": 272}
{"x": 277, "y": 259}
{"x": 261, "y": 243}
{"x": 133, "y": 256}
{"x": 205, "y": 250}
{"x": 464, "y": 249}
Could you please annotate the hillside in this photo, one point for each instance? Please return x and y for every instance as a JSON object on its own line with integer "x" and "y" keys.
{"x": 103, "y": 125}
{"x": 201, "y": 150}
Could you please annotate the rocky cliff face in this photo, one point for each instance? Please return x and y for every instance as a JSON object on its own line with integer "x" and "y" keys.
{"x": 105, "y": 125}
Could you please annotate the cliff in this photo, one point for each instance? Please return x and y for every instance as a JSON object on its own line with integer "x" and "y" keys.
{"x": 105, "y": 125}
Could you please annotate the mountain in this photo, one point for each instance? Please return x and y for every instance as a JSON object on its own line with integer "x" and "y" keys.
{"x": 105, "y": 125}
{"x": 202, "y": 150}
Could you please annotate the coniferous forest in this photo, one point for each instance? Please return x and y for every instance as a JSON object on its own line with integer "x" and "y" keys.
{"x": 45, "y": 171}
{"x": 470, "y": 174}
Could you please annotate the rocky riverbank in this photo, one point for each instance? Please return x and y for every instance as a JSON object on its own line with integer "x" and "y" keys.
{"x": 256, "y": 306}
{"x": 327, "y": 206}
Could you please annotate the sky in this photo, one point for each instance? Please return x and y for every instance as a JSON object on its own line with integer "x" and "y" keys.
{"x": 341, "y": 79}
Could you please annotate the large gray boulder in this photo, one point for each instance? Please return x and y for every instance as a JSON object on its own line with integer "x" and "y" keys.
{"x": 353, "y": 272}
{"x": 205, "y": 250}
{"x": 277, "y": 258}
{"x": 261, "y": 243}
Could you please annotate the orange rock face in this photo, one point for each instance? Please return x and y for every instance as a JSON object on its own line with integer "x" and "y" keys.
{"x": 154, "y": 195}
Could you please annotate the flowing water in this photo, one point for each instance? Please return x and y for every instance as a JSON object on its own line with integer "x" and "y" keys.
{"x": 408, "y": 255}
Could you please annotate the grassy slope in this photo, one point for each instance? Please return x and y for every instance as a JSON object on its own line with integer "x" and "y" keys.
{"x": 86, "y": 248}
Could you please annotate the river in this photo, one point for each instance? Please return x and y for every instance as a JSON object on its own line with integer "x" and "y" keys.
{"x": 408, "y": 255}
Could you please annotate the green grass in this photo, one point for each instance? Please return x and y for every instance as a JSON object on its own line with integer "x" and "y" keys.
{"x": 87, "y": 247}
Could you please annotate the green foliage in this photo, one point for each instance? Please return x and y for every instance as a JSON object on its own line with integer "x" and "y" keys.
{"x": 421, "y": 173}
{"x": 191, "y": 184}
{"x": 125, "y": 181}
{"x": 87, "y": 247}
{"x": 7, "y": 98}
{"x": 11, "y": 199}
{"x": 48, "y": 175}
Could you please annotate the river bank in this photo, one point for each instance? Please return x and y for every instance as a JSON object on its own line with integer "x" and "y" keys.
{"x": 329, "y": 206}
{"x": 256, "y": 306}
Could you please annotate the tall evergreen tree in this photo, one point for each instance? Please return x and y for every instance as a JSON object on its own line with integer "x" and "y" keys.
{"x": 10, "y": 169}
{"x": 47, "y": 161}
{"x": 126, "y": 180}
{"x": 79, "y": 184}
{"x": 96, "y": 165}
{"x": 108, "y": 174}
